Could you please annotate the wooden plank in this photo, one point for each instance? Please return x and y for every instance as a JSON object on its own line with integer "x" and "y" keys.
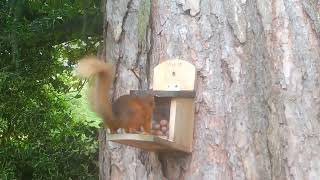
{"x": 184, "y": 121}
{"x": 186, "y": 94}
{"x": 146, "y": 142}
{"x": 174, "y": 75}
{"x": 173, "y": 110}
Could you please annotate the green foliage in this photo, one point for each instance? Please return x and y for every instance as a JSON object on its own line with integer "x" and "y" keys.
{"x": 44, "y": 129}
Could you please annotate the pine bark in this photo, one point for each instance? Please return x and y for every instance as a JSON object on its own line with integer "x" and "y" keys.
{"x": 257, "y": 113}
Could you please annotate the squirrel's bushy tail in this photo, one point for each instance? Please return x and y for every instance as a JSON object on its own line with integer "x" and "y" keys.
{"x": 98, "y": 92}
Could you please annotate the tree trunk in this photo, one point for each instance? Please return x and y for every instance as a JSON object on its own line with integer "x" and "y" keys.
{"x": 257, "y": 110}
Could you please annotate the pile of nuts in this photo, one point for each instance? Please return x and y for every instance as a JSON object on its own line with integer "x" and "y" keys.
{"x": 161, "y": 128}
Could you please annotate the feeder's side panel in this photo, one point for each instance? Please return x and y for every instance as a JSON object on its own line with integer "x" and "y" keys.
{"x": 183, "y": 121}
{"x": 173, "y": 114}
{"x": 174, "y": 75}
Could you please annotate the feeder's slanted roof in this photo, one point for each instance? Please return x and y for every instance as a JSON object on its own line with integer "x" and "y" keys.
{"x": 183, "y": 94}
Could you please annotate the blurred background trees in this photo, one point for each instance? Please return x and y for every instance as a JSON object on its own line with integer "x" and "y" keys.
{"x": 44, "y": 129}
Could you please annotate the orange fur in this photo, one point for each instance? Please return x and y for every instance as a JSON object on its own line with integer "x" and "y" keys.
{"x": 128, "y": 111}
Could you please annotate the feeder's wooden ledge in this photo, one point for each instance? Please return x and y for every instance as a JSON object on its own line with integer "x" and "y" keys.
{"x": 147, "y": 142}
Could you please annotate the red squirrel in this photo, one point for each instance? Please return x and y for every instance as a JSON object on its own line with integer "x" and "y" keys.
{"x": 129, "y": 112}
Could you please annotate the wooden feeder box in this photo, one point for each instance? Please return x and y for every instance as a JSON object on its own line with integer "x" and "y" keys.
{"x": 173, "y": 89}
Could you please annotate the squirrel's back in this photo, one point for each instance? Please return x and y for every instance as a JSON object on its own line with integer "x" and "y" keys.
{"x": 128, "y": 111}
